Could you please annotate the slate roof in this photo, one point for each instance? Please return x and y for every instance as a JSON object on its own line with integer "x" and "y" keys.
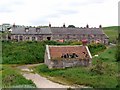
{"x": 59, "y": 30}
{"x": 58, "y": 51}
{"x": 32, "y": 30}
{"x": 77, "y": 31}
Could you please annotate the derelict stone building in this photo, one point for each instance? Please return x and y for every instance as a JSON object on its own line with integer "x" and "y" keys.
{"x": 67, "y": 56}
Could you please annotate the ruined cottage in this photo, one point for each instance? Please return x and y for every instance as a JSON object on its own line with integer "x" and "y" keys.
{"x": 67, "y": 56}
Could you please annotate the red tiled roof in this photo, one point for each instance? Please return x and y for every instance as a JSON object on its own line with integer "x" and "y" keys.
{"x": 58, "y": 51}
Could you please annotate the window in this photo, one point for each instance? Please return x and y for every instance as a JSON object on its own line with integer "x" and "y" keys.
{"x": 60, "y": 34}
{"x": 26, "y": 29}
{"x": 40, "y": 37}
{"x": 27, "y": 38}
{"x": 16, "y": 37}
{"x": 21, "y": 37}
{"x": 37, "y": 29}
{"x": 33, "y": 38}
{"x": 48, "y": 38}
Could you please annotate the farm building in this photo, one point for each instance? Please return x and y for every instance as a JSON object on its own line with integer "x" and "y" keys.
{"x": 67, "y": 56}
{"x": 20, "y": 33}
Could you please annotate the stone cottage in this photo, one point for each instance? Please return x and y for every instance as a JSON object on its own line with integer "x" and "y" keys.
{"x": 67, "y": 56}
{"x": 96, "y": 35}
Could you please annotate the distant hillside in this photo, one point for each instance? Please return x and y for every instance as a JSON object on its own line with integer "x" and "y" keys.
{"x": 112, "y": 32}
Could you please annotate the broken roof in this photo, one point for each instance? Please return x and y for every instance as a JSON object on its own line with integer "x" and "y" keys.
{"x": 76, "y": 51}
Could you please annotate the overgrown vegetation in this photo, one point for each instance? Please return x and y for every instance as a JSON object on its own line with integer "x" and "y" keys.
{"x": 25, "y": 52}
{"x": 33, "y": 52}
{"x": 12, "y": 78}
{"x": 102, "y": 74}
{"x": 95, "y": 48}
{"x": 22, "y": 52}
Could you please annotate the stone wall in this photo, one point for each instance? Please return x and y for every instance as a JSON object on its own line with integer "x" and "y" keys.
{"x": 56, "y": 37}
{"x": 69, "y": 63}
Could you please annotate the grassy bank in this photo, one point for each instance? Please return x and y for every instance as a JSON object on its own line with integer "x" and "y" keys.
{"x": 99, "y": 75}
{"x": 112, "y": 32}
{"x": 12, "y": 78}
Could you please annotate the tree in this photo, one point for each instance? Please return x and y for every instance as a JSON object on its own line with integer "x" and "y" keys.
{"x": 71, "y": 26}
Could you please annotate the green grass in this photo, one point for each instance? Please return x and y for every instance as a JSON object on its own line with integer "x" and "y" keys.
{"x": 107, "y": 56}
{"x": 85, "y": 75}
{"x": 11, "y": 77}
{"x": 112, "y": 32}
{"x": 22, "y": 52}
{"x": 80, "y": 76}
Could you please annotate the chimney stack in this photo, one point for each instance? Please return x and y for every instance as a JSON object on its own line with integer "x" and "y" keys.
{"x": 49, "y": 25}
{"x": 13, "y": 24}
{"x": 87, "y": 26}
{"x": 100, "y": 26}
{"x": 64, "y": 25}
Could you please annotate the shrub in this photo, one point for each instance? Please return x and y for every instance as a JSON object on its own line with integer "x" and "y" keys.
{"x": 98, "y": 68}
{"x": 95, "y": 48}
{"x": 22, "y": 52}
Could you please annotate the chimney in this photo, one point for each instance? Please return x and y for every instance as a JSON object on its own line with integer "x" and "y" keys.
{"x": 87, "y": 26}
{"x": 49, "y": 25}
{"x": 100, "y": 26}
{"x": 64, "y": 25}
{"x": 13, "y": 24}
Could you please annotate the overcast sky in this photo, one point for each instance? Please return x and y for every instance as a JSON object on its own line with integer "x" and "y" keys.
{"x": 57, "y": 12}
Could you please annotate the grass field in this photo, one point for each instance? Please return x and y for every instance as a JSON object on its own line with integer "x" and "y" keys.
{"x": 12, "y": 78}
{"x": 112, "y": 32}
{"x": 107, "y": 56}
{"x": 86, "y": 75}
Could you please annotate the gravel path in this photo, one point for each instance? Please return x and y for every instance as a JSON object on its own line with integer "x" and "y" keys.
{"x": 40, "y": 82}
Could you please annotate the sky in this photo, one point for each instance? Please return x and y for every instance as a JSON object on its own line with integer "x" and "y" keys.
{"x": 57, "y": 12}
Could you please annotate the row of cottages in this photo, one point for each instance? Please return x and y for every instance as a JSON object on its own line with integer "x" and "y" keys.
{"x": 59, "y": 34}
{"x": 67, "y": 56}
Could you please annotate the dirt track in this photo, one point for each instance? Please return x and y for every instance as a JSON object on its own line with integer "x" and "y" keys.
{"x": 40, "y": 82}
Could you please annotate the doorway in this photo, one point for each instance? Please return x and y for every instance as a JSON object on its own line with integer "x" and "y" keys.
{"x": 48, "y": 38}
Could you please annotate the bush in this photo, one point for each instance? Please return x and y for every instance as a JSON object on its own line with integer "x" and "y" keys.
{"x": 95, "y": 48}
{"x": 43, "y": 68}
{"x": 98, "y": 68}
{"x": 76, "y": 43}
{"x": 22, "y": 52}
